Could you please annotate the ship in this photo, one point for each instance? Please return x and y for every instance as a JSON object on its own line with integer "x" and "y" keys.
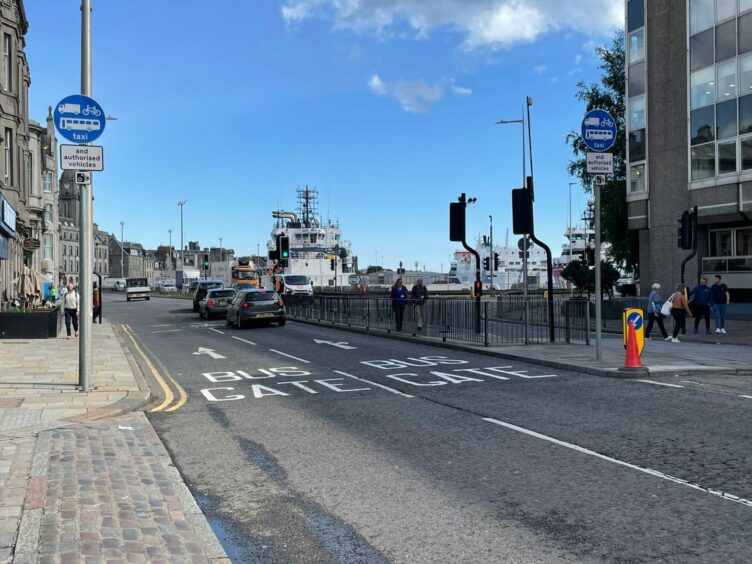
{"x": 317, "y": 249}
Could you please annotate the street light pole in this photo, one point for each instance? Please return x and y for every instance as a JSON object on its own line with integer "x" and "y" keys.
{"x": 122, "y": 251}
{"x": 181, "y": 203}
{"x": 220, "y": 249}
{"x": 491, "y": 256}
{"x": 170, "y": 251}
{"x": 569, "y": 222}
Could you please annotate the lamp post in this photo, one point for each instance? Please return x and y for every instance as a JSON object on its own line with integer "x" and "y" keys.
{"x": 220, "y": 249}
{"x": 182, "y": 203}
{"x": 169, "y": 269}
{"x": 569, "y": 233}
{"x": 122, "y": 251}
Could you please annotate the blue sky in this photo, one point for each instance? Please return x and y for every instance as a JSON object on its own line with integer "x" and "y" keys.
{"x": 386, "y": 106}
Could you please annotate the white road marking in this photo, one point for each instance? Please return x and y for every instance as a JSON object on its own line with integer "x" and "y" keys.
{"x": 209, "y": 352}
{"x": 290, "y": 356}
{"x": 162, "y": 325}
{"x": 167, "y": 331}
{"x": 216, "y": 331}
{"x": 239, "y": 339}
{"x": 691, "y": 382}
{"x": 660, "y": 383}
{"x": 748, "y": 397}
{"x": 651, "y": 472}
{"x": 338, "y": 344}
{"x": 387, "y": 388}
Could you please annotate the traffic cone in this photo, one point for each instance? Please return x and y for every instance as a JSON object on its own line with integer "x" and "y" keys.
{"x": 633, "y": 355}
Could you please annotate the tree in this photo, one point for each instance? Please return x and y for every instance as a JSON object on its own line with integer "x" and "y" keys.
{"x": 372, "y": 268}
{"x": 583, "y": 277}
{"x": 609, "y": 95}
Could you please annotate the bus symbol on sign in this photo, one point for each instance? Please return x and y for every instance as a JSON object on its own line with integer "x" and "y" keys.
{"x": 79, "y": 119}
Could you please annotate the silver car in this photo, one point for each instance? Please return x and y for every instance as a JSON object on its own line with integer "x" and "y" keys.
{"x": 256, "y": 305}
{"x": 215, "y": 302}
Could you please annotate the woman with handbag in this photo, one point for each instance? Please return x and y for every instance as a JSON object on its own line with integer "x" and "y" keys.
{"x": 654, "y": 313}
{"x": 679, "y": 311}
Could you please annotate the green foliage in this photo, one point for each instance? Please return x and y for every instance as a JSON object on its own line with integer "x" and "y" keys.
{"x": 372, "y": 268}
{"x": 610, "y": 96}
{"x": 583, "y": 277}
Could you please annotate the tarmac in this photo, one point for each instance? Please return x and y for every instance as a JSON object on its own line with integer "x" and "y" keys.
{"x": 84, "y": 476}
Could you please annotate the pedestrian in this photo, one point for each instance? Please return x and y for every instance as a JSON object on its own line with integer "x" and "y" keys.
{"x": 701, "y": 301}
{"x": 654, "y": 313}
{"x": 679, "y": 311}
{"x": 97, "y": 303}
{"x": 719, "y": 299}
{"x": 419, "y": 295}
{"x": 399, "y": 301}
{"x": 70, "y": 306}
{"x": 53, "y": 293}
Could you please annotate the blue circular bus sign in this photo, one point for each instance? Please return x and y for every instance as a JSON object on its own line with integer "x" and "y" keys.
{"x": 79, "y": 119}
{"x": 598, "y": 130}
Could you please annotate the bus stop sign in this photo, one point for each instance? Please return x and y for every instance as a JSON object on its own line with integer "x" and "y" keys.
{"x": 598, "y": 130}
{"x": 79, "y": 119}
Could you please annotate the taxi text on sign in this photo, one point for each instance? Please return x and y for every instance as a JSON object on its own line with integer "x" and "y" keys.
{"x": 81, "y": 157}
{"x": 634, "y": 315}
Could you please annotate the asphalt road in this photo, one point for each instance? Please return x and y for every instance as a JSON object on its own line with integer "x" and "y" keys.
{"x": 365, "y": 449}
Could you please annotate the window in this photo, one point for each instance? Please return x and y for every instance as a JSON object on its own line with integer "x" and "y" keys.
{"x": 726, "y": 119}
{"x": 637, "y": 79}
{"x": 746, "y": 146}
{"x": 701, "y": 52}
{"x": 48, "y": 213}
{"x": 745, "y": 114}
{"x": 745, "y": 5}
{"x": 727, "y": 157}
{"x": 703, "y": 161}
{"x": 727, "y": 80}
{"x": 701, "y": 15}
{"x": 637, "y": 112}
{"x": 637, "y": 145}
{"x": 47, "y": 182}
{"x": 8, "y": 146}
{"x": 743, "y": 242}
{"x": 637, "y": 179}
{"x": 745, "y": 33}
{"x": 635, "y": 14}
{"x": 47, "y": 250}
{"x": 745, "y": 75}
{"x": 725, "y": 41}
{"x": 725, "y": 9}
{"x": 703, "y": 90}
{"x": 7, "y": 61}
{"x": 702, "y": 123}
{"x": 28, "y": 183}
{"x": 637, "y": 46}
{"x": 720, "y": 243}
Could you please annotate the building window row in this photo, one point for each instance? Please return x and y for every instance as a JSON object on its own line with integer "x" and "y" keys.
{"x": 636, "y": 97}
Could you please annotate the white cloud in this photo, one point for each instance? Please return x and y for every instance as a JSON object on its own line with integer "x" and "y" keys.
{"x": 483, "y": 23}
{"x": 415, "y": 96}
{"x": 577, "y": 59}
{"x": 540, "y": 69}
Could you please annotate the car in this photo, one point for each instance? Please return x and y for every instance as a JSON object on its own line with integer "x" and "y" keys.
{"x": 237, "y": 286}
{"x": 168, "y": 288}
{"x": 256, "y": 305}
{"x": 214, "y": 303}
{"x": 202, "y": 286}
{"x": 137, "y": 289}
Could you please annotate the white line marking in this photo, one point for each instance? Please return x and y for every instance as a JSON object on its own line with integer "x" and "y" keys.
{"x": 660, "y": 383}
{"x": 290, "y": 356}
{"x": 748, "y": 397}
{"x": 239, "y": 339}
{"x": 162, "y": 325}
{"x": 651, "y": 472}
{"x": 691, "y": 382}
{"x": 387, "y": 388}
{"x": 167, "y": 331}
{"x": 216, "y": 331}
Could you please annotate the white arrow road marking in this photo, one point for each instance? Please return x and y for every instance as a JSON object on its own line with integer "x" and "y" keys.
{"x": 210, "y": 352}
{"x": 339, "y": 344}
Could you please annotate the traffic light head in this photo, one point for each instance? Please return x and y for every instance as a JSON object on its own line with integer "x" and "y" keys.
{"x": 684, "y": 238}
{"x": 206, "y": 261}
{"x": 496, "y": 261}
{"x": 486, "y": 263}
{"x": 284, "y": 247}
{"x": 456, "y": 221}
{"x": 332, "y": 265}
{"x": 477, "y": 288}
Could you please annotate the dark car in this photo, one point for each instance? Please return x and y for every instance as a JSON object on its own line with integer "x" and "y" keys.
{"x": 215, "y": 302}
{"x": 256, "y": 305}
{"x": 201, "y": 288}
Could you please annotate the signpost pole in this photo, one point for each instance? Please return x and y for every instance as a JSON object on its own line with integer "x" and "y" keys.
{"x": 85, "y": 239}
{"x": 598, "y": 289}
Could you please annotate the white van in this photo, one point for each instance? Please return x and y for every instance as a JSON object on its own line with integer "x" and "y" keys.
{"x": 296, "y": 285}
{"x": 137, "y": 289}
{"x": 114, "y": 284}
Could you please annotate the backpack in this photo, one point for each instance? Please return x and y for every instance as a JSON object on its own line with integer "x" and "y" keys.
{"x": 666, "y": 307}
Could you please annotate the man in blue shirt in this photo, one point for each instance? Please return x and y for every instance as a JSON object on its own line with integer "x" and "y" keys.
{"x": 719, "y": 297}
{"x": 701, "y": 302}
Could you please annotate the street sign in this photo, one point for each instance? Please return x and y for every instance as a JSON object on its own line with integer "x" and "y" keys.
{"x": 83, "y": 177}
{"x": 521, "y": 244}
{"x": 600, "y": 163}
{"x": 77, "y": 157}
{"x": 634, "y": 315}
{"x": 598, "y": 130}
{"x": 79, "y": 119}
{"x": 600, "y": 179}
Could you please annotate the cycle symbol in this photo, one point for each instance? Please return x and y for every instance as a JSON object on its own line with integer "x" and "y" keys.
{"x": 605, "y": 122}
{"x": 93, "y": 110}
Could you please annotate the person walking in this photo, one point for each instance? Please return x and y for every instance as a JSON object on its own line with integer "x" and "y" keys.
{"x": 399, "y": 301}
{"x": 70, "y": 306}
{"x": 654, "y": 313}
{"x": 679, "y": 311}
{"x": 701, "y": 294}
{"x": 719, "y": 299}
{"x": 53, "y": 293}
{"x": 419, "y": 295}
{"x": 97, "y": 303}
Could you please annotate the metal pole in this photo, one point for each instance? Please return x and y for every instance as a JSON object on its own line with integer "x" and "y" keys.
{"x": 569, "y": 222}
{"x": 169, "y": 268}
{"x": 220, "y": 249}
{"x": 85, "y": 238}
{"x": 122, "y": 251}
{"x": 598, "y": 297}
{"x": 181, "y": 203}
{"x": 491, "y": 256}
{"x": 527, "y": 241}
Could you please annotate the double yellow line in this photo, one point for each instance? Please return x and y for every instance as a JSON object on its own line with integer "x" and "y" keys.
{"x": 169, "y": 395}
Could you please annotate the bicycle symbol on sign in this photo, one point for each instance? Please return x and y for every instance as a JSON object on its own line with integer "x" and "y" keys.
{"x": 606, "y": 122}
{"x": 93, "y": 110}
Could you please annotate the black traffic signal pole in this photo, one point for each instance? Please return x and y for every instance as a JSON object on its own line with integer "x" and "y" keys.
{"x": 463, "y": 201}
{"x": 690, "y": 256}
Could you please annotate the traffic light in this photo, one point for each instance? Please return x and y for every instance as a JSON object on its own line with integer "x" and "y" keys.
{"x": 522, "y": 211}
{"x": 685, "y": 231}
{"x": 284, "y": 247}
{"x": 206, "y": 261}
{"x": 486, "y": 263}
{"x": 333, "y": 264}
{"x": 478, "y": 288}
{"x": 456, "y": 221}
{"x": 590, "y": 252}
{"x": 496, "y": 261}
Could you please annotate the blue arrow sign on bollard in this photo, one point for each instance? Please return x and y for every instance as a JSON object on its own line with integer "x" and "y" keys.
{"x": 599, "y": 130}
{"x": 79, "y": 119}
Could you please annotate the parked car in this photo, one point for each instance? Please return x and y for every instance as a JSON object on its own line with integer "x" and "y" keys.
{"x": 168, "y": 288}
{"x": 215, "y": 302}
{"x": 256, "y": 305}
{"x": 203, "y": 286}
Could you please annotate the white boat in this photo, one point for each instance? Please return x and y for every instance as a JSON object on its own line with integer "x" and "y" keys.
{"x": 315, "y": 246}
